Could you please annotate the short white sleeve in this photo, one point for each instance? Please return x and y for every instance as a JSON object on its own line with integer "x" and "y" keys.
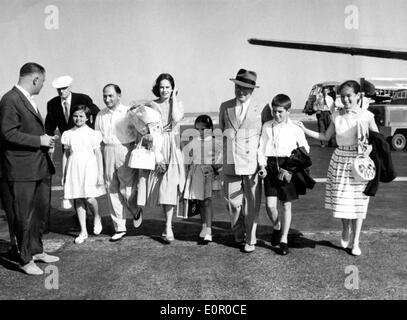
{"x": 96, "y": 139}
{"x": 66, "y": 138}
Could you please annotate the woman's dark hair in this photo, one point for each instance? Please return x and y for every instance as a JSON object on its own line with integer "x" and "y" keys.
{"x": 351, "y": 84}
{"x": 203, "y": 118}
{"x": 81, "y": 107}
{"x": 162, "y": 76}
{"x": 281, "y": 100}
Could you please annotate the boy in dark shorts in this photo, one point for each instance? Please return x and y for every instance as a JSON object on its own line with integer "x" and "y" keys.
{"x": 279, "y": 138}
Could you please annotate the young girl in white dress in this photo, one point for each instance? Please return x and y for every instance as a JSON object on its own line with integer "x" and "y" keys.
{"x": 344, "y": 194}
{"x": 203, "y": 155}
{"x": 82, "y": 169}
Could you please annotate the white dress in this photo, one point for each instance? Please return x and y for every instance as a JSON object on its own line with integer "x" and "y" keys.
{"x": 82, "y": 169}
{"x": 343, "y": 194}
{"x": 200, "y": 155}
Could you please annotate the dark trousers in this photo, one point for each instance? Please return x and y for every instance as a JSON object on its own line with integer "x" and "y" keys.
{"x": 7, "y": 202}
{"x": 323, "y": 120}
{"x": 30, "y": 201}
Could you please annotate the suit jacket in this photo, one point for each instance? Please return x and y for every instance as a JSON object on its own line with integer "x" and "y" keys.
{"x": 381, "y": 156}
{"x": 241, "y": 140}
{"x": 21, "y": 127}
{"x": 55, "y": 115}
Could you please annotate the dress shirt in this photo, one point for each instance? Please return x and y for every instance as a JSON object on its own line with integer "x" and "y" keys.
{"x": 241, "y": 109}
{"x": 27, "y": 95}
{"x": 279, "y": 140}
{"x": 115, "y": 125}
{"x": 69, "y": 100}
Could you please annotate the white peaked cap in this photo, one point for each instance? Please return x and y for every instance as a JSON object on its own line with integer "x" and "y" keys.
{"x": 62, "y": 82}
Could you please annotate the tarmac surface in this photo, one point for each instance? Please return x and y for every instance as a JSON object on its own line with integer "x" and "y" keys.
{"x": 142, "y": 266}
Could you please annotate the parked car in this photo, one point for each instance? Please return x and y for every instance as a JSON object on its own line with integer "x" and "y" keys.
{"x": 315, "y": 91}
{"x": 391, "y": 118}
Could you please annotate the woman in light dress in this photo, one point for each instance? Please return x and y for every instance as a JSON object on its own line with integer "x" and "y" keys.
{"x": 170, "y": 166}
{"x": 344, "y": 194}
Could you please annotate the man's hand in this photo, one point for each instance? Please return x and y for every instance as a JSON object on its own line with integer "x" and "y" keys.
{"x": 207, "y": 170}
{"x": 48, "y": 141}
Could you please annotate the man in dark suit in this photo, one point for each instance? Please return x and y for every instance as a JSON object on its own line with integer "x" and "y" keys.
{"x": 27, "y": 166}
{"x": 59, "y": 108}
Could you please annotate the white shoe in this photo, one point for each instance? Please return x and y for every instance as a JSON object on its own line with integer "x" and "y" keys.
{"x": 138, "y": 218}
{"x": 118, "y": 236}
{"x": 203, "y": 231}
{"x": 45, "y": 257}
{"x": 208, "y": 237}
{"x": 97, "y": 227}
{"x": 31, "y": 268}
{"x": 356, "y": 250}
{"x": 168, "y": 236}
{"x": 249, "y": 248}
{"x": 344, "y": 244}
{"x": 80, "y": 239}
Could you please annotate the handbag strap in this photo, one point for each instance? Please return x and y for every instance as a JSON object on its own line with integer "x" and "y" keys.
{"x": 362, "y": 138}
{"x": 138, "y": 146}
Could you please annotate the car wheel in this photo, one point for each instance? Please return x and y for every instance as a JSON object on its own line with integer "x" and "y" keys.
{"x": 398, "y": 141}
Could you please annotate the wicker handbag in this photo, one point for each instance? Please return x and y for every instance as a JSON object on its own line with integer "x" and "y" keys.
{"x": 363, "y": 167}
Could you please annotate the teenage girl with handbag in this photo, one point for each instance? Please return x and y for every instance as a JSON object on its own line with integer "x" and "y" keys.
{"x": 344, "y": 194}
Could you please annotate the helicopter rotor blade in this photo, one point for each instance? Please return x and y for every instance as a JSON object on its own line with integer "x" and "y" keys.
{"x": 333, "y": 48}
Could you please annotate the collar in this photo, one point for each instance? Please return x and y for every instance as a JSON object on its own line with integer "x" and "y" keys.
{"x": 69, "y": 99}
{"x": 120, "y": 108}
{"x": 274, "y": 123}
{"x": 23, "y": 91}
{"x": 244, "y": 104}
{"x": 350, "y": 111}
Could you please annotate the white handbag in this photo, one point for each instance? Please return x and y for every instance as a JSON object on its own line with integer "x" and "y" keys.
{"x": 142, "y": 158}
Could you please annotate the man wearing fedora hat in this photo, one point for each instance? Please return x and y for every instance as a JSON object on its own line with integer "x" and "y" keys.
{"x": 59, "y": 108}
{"x": 240, "y": 121}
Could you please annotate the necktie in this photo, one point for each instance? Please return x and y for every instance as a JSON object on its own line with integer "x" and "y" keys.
{"x": 239, "y": 111}
{"x": 66, "y": 110}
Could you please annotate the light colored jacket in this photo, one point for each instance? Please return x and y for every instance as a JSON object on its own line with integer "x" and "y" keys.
{"x": 240, "y": 140}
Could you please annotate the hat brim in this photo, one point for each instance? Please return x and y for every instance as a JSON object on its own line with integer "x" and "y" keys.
{"x": 244, "y": 84}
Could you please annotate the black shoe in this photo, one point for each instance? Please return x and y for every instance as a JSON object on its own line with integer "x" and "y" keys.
{"x": 284, "y": 248}
{"x": 275, "y": 237}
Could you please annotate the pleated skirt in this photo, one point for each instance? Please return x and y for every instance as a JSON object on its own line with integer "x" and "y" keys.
{"x": 343, "y": 194}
